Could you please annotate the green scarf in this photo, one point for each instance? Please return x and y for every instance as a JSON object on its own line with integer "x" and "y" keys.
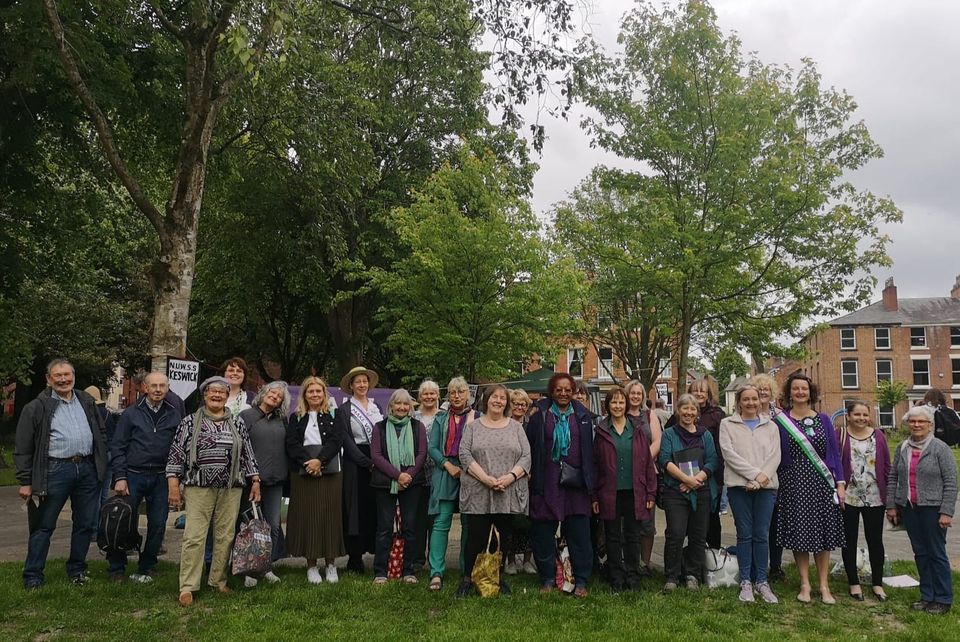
{"x": 399, "y": 446}
{"x": 561, "y": 431}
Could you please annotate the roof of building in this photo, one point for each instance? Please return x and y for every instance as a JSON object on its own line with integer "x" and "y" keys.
{"x": 927, "y": 311}
{"x": 736, "y": 383}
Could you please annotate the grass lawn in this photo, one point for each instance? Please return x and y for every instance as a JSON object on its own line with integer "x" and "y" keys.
{"x": 8, "y": 476}
{"x": 355, "y": 609}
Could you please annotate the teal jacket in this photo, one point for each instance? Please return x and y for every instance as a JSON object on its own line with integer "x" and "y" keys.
{"x": 443, "y": 487}
{"x": 670, "y": 443}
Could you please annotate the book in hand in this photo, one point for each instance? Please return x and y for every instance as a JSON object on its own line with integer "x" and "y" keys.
{"x": 688, "y": 460}
{"x": 689, "y": 468}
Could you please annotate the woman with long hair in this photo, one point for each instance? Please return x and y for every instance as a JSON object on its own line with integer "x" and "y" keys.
{"x": 649, "y": 423}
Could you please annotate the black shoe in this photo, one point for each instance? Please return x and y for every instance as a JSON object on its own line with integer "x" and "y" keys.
{"x": 857, "y": 596}
{"x": 355, "y": 566}
{"x": 633, "y": 584}
{"x": 465, "y": 589}
{"x": 776, "y": 574}
{"x": 505, "y": 589}
{"x": 32, "y": 585}
{"x": 920, "y": 605}
{"x": 616, "y": 586}
{"x": 118, "y": 577}
{"x": 937, "y": 608}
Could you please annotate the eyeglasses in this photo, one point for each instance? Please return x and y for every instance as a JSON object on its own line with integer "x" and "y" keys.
{"x": 918, "y": 422}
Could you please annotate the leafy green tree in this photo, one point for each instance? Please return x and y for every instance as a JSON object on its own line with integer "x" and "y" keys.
{"x": 891, "y": 393}
{"x": 473, "y": 285}
{"x": 745, "y": 223}
{"x": 726, "y": 362}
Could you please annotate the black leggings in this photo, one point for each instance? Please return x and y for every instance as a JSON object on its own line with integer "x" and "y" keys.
{"x": 478, "y": 533}
{"x": 873, "y": 532}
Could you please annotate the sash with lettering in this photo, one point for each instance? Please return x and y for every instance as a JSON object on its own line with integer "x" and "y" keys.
{"x": 786, "y": 422}
{"x": 356, "y": 412}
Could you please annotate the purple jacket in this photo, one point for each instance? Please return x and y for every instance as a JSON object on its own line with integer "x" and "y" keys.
{"x": 644, "y": 472}
{"x": 883, "y": 462}
{"x": 832, "y": 460}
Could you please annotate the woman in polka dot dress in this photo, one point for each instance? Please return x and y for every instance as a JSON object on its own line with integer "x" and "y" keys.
{"x": 811, "y": 486}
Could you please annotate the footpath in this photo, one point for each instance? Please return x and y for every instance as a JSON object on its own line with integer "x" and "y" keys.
{"x": 13, "y": 538}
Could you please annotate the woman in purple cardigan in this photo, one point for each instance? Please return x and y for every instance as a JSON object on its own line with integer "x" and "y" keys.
{"x": 398, "y": 449}
{"x": 866, "y": 463}
{"x": 812, "y": 485}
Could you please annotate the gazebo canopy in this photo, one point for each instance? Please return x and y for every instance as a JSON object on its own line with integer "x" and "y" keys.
{"x": 534, "y": 381}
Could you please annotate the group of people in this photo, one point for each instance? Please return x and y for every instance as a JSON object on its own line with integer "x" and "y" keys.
{"x": 357, "y": 473}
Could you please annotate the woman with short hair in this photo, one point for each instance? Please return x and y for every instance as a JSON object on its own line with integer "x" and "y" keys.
{"x": 562, "y": 478}
{"x": 922, "y": 495}
{"x": 751, "y": 447}
{"x": 398, "y": 450}
{"x": 866, "y": 465}
{"x": 315, "y": 516}
{"x": 212, "y": 456}
{"x": 688, "y": 458}
{"x": 626, "y": 488}
{"x": 496, "y": 457}
{"x": 444, "y": 450}
{"x": 812, "y": 485}
{"x": 355, "y": 420}
{"x": 266, "y": 423}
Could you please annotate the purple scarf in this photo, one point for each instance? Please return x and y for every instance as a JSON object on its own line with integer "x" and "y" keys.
{"x": 455, "y": 424}
{"x": 690, "y": 439}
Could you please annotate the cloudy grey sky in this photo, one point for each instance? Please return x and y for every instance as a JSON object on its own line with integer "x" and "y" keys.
{"x": 900, "y": 60}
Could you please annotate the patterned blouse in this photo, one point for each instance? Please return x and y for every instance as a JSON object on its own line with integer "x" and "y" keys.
{"x": 862, "y": 489}
{"x": 214, "y": 453}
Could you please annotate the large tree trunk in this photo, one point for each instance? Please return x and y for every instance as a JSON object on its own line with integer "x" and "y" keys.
{"x": 172, "y": 281}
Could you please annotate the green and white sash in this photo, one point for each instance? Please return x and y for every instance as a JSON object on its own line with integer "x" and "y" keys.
{"x": 786, "y": 422}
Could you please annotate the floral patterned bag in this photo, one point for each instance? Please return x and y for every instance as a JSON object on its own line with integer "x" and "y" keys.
{"x": 395, "y": 563}
{"x": 253, "y": 546}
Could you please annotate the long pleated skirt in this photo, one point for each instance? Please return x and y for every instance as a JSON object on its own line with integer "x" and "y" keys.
{"x": 314, "y": 520}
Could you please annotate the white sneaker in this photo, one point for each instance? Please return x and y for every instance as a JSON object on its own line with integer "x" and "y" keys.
{"x": 249, "y": 581}
{"x": 530, "y": 567}
{"x": 510, "y": 568}
{"x": 140, "y": 578}
{"x": 332, "y": 576}
{"x": 746, "y": 591}
{"x": 313, "y": 575}
{"x": 271, "y": 577}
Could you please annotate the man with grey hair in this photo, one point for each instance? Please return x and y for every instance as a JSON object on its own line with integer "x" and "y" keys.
{"x": 60, "y": 453}
{"x": 138, "y": 454}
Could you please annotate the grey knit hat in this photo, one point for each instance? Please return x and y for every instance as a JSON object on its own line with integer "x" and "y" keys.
{"x": 220, "y": 381}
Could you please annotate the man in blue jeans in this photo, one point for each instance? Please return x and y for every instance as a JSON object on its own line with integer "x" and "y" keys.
{"x": 60, "y": 453}
{"x": 138, "y": 452}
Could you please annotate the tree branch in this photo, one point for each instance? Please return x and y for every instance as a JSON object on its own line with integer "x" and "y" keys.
{"x": 174, "y": 30}
{"x": 100, "y": 123}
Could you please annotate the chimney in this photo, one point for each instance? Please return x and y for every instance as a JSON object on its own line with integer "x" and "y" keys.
{"x": 890, "y": 296}
{"x": 955, "y": 292}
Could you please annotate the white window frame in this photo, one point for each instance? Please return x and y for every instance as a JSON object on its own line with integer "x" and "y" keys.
{"x": 604, "y": 366}
{"x": 844, "y": 374}
{"x": 852, "y": 338}
{"x": 571, "y": 353}
{"x": 877, "y": 369}
{"x": 876, "y": 339}
{"x": 919, "y": 347}
{"x": 666, "y": 368}
{"x": 913, "y": 372}
{"x": 892, "y": 412}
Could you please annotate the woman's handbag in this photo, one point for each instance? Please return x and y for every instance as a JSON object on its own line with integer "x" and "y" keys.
{"x": 395, "y": 562}
{"x": 571, "y": 476}
{"x": 486, "y": 570}
{"x": 253, "y": 546}
{"x": 721, "y": 568}
{"x": 564, "y": 574}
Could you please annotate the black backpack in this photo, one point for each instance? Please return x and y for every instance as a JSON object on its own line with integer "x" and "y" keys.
{"x": 946, "y": 425}
{"x": 119, "y": 520}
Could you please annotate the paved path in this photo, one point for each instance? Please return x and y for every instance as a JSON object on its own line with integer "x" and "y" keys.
{"x": 13, "y": 537}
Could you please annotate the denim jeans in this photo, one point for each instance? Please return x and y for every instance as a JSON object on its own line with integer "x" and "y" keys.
{"x": 929, "y": 543}
{"x": 79, "y": 484}
{"x": 752, "y": 512}
{"x": 151, "y": 488}
{"x": 576, "y": 530}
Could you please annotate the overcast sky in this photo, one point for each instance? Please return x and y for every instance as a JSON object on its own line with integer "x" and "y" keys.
{"x": 900, "y": 60}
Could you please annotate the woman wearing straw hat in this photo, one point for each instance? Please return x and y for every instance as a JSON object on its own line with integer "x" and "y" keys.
{"x": 356, "y": 421}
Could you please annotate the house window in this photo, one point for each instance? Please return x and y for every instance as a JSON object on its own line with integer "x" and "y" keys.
{"x": 955, "y": 366}
{"x": 605, "y": 371}
{"x": 849, "y": 376}
{"x": 885, "y": 416}
{"x": 604, "y": 322}
{"x": 955, "y": 336}
{"x": 921, "y": 372}
{"x": 666, "y": 369}
{"x": 918, "y": 337}
{"x": 848, "y": 338}
{"x": 884, "y": 370}
{"x": 881, "y": 338}
{"x": 575, "y": 362}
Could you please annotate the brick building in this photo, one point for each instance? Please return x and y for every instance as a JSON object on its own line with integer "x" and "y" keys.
{"x": 915, "y": 341}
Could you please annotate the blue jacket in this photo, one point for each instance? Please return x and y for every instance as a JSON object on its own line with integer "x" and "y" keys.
{"x": 141, "y": 441}
{"x": 535, "y": 435}
{"x": 670, "y": 443}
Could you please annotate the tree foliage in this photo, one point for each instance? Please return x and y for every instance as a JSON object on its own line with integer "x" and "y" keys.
{"x": 745, "y": 224}
{"x": 473, "y": 289}
{"x": 726, "y": 362}
{"x": 891, "y": 393}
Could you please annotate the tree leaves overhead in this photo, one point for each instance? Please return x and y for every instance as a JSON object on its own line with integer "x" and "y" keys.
{"x": 748, "y": 225}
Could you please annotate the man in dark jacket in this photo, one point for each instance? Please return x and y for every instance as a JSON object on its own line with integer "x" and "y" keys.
{"x": 60, "y": 453}
{"x": 138, "y": 452}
